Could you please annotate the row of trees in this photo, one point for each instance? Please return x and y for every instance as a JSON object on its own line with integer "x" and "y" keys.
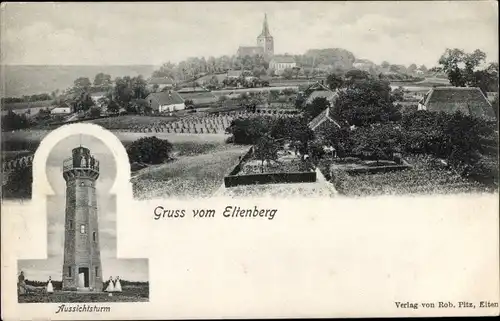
{"x": 27, "y": 98}
{"x": 314, "y": 61}
{"x": 126, "y": 92}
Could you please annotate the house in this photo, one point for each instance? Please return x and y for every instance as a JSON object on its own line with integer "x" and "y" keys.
{"x": 61, "y": 110}
{"x": 97, "y": 96}
{"x": 469, "y": 100}
{"x": 158, "y": 84}
{"x": 234, "y": 73}
{"x": 165, "y": 101}
{"x": 200, "y": 96}
{"x": 280, "y": 63}
{"x": 324, "y": 119}
{"x": 319, "y": 90}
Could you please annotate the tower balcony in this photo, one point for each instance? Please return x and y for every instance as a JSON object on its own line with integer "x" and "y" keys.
{"x": 73, "y": 168}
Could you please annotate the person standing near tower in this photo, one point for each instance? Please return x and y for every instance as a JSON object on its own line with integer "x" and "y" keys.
{"x": 118, "y": 285}
{"x": 50, "y": 287}
{"x": 110, "y": 287}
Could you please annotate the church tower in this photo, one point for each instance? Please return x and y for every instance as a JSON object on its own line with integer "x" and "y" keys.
{"x": 265, "y": 40}
{"x": 82, "y": 258}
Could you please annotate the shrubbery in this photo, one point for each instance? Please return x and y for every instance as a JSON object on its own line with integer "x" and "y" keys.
{"x": 13, "y": 121}
{"x": 149, "y": 150}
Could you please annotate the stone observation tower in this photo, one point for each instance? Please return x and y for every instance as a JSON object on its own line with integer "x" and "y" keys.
{"x": 82, "y": 270}
{"x": 265, "y": 40}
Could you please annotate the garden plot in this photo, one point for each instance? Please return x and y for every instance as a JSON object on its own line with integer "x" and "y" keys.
{"x": 426, "y": 177}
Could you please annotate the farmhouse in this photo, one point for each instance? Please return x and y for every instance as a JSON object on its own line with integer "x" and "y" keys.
{"x": 159, "y": 83}
{"x": 165, "y": 101}
{"x": 324, "y": 119}
{"x": 280, "y": 63}
{"x": 469, "y": 100}
{"x": 97, "y": 96}
{"x": 234, "y": 73}
{"x": 319, "y": 90}
{"x": 62, "y": 110}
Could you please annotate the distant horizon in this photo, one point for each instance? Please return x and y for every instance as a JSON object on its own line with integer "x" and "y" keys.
{"x": 401, "y": 32}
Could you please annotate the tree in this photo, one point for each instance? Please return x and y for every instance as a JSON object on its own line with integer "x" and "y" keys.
{"x": 249, "y": 130}
{"x": 460, "y": 66}
{"x": 150, "y": 150}
{"x": 95, "y": 112}
{"x": 318, "y": 105}
{"x": 266, "y": 149}
{"x": 287, "y": 73}
{"x": 19, "y": 184}
{"x": 366, "y": 102}
{"x": 379, "y": 141}
{"x": 83, "y": 83}
{"x": 13, "y": 121}
{"x": 112, "y": 107}
{"x": 334, "y": 81}
{"x": 356, "y": 75}
{"x": 102, "y": 79}
{"x": 385, "y": 64}
{"x": 411, "y": 68}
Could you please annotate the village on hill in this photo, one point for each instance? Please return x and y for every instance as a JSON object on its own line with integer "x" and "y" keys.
{"x": 257, "y": 123}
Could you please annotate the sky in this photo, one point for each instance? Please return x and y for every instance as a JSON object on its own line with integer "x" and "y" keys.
{"x": 96, "y": 33}
{"x": 127, "y": 269}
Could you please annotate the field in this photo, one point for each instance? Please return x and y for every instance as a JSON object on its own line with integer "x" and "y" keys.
{"x": 199, "y": 173}
{"x": 425, "y": 178}
{"x": 132, "y": 293}
{"x": 128, "y": 121}
{"x": 23, "y": 106}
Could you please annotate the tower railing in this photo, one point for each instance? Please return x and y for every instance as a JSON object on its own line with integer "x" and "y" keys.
{"x": 69, "y": 164}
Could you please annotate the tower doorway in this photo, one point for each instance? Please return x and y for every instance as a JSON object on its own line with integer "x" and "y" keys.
{"x": 83, "y": 277}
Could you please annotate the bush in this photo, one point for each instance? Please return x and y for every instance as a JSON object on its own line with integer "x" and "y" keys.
{"x": 149, "y": 150}
{"x": 13, "y": 121}
{"x": 18, "y": 185}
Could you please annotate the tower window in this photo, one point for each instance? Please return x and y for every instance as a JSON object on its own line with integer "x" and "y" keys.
{"x": 69, "y": 270}
{"x": 71, "y": 224}
{"x": 94, "y": 236}
{"x": 96, "y": 270}
{"x": 82, "y": 228}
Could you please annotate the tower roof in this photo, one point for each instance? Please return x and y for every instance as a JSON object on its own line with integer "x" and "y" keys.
{"x": 265, "y": 28}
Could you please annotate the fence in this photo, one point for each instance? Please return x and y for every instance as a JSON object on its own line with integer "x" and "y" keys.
{"x": 18, "y": 163}
{"x": 270, "y": 178}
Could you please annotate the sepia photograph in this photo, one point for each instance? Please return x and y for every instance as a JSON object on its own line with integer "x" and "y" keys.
{"x": 249, "y": 159}
{"x": 81, "y": 265}
{"x": 290, "y": 99}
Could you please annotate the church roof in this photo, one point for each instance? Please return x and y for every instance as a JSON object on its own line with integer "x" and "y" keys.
{"x": 265, "y": 28}
{"x": 469, "y": 100}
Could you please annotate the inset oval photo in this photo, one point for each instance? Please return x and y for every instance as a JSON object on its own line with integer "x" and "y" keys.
{"x": 82, "y": 239}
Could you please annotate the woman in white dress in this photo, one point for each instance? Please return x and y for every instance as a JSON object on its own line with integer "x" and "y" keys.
{"x": 50, "y": 287}
{"x": 118, "y": 285}
{"x": 111, "y": 287}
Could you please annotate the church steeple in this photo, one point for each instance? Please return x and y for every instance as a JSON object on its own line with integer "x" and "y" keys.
{"x": 265, "y": 40}
{"x": 265, "y": 28}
